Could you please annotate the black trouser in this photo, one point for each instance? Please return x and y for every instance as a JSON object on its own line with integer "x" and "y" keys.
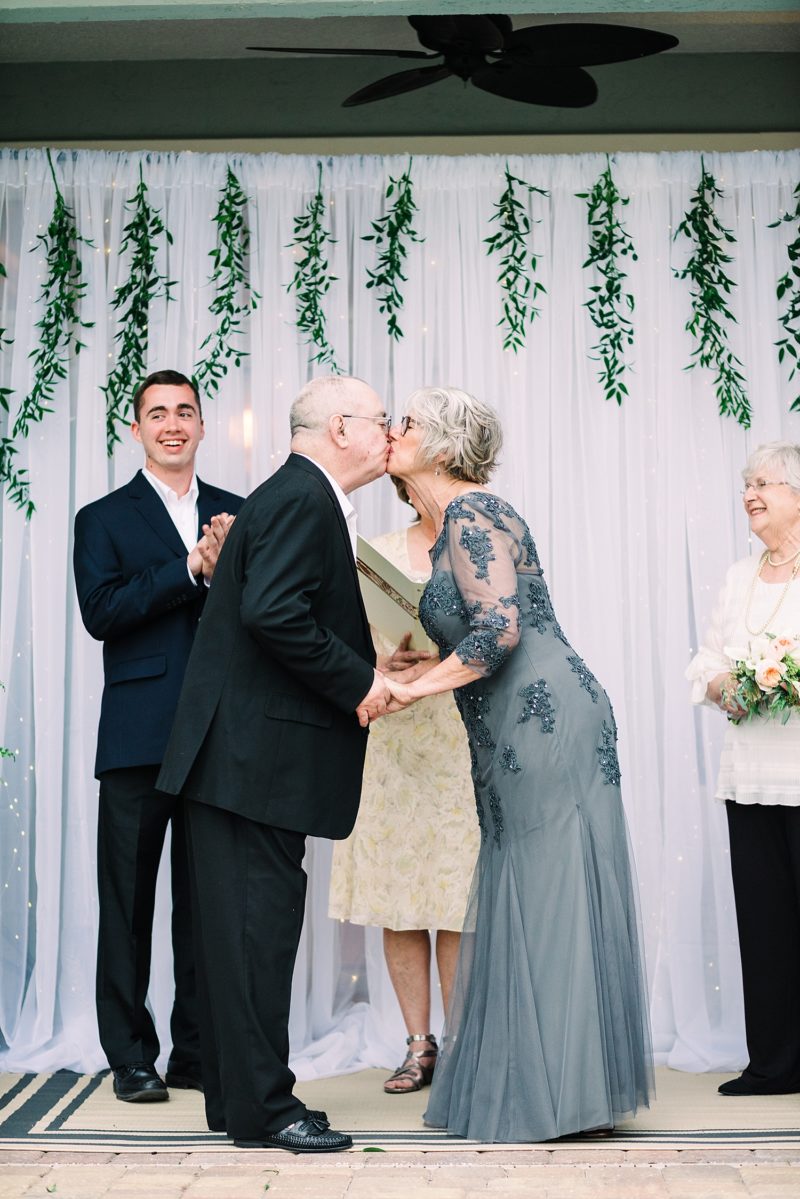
{"x": 132, "y": 824}
{"x": 765, "y": 862}
{"x": 249, "y": 904}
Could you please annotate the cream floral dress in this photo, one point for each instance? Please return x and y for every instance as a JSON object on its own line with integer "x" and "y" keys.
{"x": 409, "y": 861}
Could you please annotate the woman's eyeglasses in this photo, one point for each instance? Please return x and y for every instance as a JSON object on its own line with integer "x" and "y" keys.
{"x": 407, "y": 423}
{"x": 760, "y": 484}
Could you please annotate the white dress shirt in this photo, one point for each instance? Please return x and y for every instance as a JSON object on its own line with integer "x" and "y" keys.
{"x": 348, "y": 511}
{"x": 182, "y": 510}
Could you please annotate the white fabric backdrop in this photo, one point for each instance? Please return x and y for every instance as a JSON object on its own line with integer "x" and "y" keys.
{"x": 635, "y": 512}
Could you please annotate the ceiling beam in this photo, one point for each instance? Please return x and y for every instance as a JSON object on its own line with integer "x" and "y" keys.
{"x": 34, "y": 12}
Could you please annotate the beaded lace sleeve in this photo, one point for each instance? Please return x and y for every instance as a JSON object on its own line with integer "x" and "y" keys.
{"x": 483, "y": 550}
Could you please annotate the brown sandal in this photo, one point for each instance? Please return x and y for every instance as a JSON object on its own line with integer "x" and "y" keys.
{"x": 412, "y": 1069}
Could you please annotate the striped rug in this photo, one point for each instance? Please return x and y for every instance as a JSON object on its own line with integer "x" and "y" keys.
{"x": 79, "y": 1112}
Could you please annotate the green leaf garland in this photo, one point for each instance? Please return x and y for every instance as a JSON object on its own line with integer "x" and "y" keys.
{"x": 390, "y": 233}
{"x": 710, "y": 286}
{"x": 610, "y": 305}
{"x": 789, "y": 285}
{"x": 62, "y": 293}
{"x": 5, "y": 392}
{"x": 518, "y": 262}
{"x": 234, "y": 299}
{"x": 132, "y": 299}
{"x": 312, "y": 278}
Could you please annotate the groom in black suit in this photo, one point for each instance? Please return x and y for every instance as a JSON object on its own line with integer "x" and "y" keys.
{"x": 143, "y": 558}
{"x": 267, "y": 747}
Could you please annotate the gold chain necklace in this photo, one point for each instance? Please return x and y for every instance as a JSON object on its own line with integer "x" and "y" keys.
{"x": 784, "y": 593}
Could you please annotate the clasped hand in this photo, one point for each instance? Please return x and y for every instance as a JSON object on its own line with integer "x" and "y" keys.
{"x": 386, "y": 695}
{"x": 390, "y": 690}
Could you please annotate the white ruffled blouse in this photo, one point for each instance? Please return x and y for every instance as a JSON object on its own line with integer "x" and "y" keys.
{"x": 760, "y": 760}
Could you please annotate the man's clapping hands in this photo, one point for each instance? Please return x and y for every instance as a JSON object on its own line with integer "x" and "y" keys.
{"x": 203, "y": 558}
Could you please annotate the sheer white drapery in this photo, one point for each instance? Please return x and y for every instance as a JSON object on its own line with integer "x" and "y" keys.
{"x": 635, "y": 512}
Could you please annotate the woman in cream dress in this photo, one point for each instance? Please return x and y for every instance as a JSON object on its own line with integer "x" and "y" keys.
{"x": 408, "y": 864}
{"x": 759, "y": 777}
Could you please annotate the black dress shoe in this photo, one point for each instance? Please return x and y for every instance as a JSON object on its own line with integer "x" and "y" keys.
{"x": 184, "y": 1076}
{"x": 304, "y": 1136}
{"x": 744, "y": 1085}
{"x": 138, "y": 1083}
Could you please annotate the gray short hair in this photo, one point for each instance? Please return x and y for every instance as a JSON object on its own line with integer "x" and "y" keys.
{"x": 783, "y": 454}
{"x": 461, "y": 433}
{"x": 318, "y": 400}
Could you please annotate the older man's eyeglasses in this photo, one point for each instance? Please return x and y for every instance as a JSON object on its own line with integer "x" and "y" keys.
{"x": 407, "y": 423}
{"x": 385, "y": 422}
{"x": 761, "y": 484}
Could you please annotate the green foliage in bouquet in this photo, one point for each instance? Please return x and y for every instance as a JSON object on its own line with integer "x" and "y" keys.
{"x": 789, "y": 286}
{"x": 767, "y": 681}
{"x": 234, "y": 298}
{"x": 59, "y": 335}
{"x": 610, "y": 306}
{"x": 312, "y": 276}
{"x": 390, "y": 233}
{"x": 133, "y": 298}
{"x": 710, "y": 286}
{"x": 518, "y": 262}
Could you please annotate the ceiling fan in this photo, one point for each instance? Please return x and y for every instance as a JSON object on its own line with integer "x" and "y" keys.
{"x": 541, "y": 64}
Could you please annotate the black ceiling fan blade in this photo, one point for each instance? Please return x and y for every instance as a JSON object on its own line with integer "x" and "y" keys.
{"x": 559, "y": 87}
{"x": 480, "y": 34}
{"x": 583, "y": 44}
{"x": 395, "y": 85}
{"x": 348, "y": 53}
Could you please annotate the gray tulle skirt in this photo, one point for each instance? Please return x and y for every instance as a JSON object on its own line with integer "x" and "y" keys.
{"x": 548, "y": 1032}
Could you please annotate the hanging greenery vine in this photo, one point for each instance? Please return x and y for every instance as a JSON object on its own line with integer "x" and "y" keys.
{"x": 390, "y": 233}
{"x": 132, "y": 299}
{"x": 518, "y": 262}
{"x": 610, "y": 306}
{"x": 789, "y": 285}
{"x": 62, "y": 293}
{"x": 234, "y": 299}
{"x": 710, "y": 286}
{"x": 5, "y": 392}
{"x": 312, "y": 277}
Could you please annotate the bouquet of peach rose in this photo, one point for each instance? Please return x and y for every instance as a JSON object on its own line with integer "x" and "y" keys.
{"x": 766, "y": 677}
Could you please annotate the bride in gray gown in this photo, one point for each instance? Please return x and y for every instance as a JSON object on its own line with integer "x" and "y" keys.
{"x": 548, "y": 1031}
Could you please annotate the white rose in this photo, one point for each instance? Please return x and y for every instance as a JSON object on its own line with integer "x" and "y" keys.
{"x": 760, "y": 647}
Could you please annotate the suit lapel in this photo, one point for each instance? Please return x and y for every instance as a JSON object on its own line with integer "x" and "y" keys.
{"x": 296, "y": 460}
{"x": 208, "y": 505}
{"x": 152, "y": 509}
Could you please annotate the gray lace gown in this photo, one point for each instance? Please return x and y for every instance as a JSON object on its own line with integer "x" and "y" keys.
{"x": 548, "y": 1030}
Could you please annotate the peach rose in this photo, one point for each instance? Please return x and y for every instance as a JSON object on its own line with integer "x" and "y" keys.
{"x": 784, "y": 644}
{"x": 769, "y": 673}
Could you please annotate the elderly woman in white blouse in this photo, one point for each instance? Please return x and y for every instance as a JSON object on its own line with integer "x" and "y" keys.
{"x": 759, "y": 778}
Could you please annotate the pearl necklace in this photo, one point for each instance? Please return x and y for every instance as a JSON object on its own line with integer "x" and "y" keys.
{"x": 784, "y": 593}
{"x": 783, "y": 561}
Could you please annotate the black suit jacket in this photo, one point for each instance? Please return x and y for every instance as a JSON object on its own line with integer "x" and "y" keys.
{"x": 136, "y": 596}
{"x": 265, "y": 726}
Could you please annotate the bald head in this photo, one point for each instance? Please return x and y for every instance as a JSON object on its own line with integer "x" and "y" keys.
{"x": 339, "y": 422}
{"x": 320, "y": 399}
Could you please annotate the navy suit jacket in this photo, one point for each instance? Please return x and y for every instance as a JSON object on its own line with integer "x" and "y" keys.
{"x": 136, "y": 596}
{"x": 266, "y": 723}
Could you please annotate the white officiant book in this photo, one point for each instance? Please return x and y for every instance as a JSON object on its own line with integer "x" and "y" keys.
{"x": 390, "y": 597}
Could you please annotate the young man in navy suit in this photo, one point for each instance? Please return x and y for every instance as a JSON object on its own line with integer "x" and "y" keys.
{"x": 144, "y": 556}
